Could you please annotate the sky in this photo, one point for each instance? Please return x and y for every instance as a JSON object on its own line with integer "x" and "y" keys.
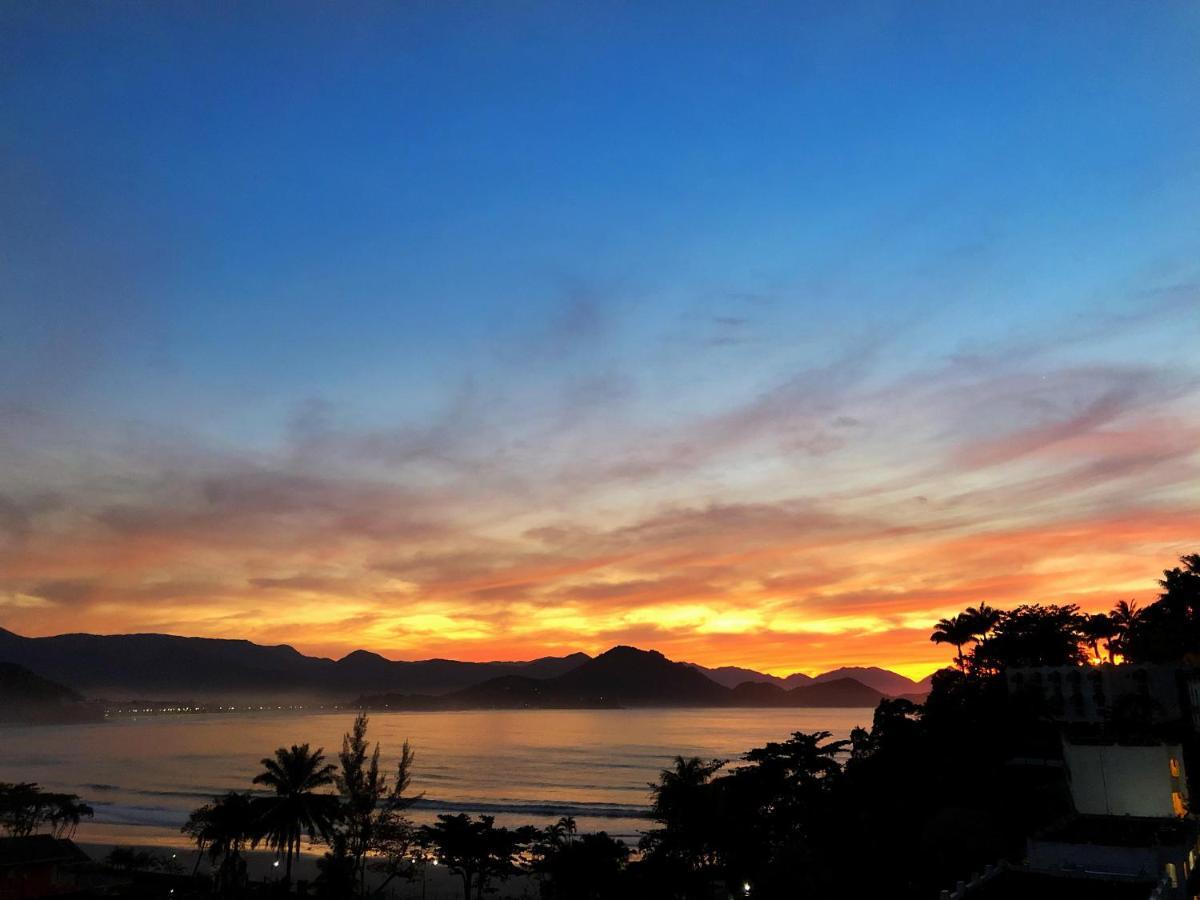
{"x": 759, "y": 334}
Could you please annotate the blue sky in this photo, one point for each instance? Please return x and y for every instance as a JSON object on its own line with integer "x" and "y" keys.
{"x": 468, "y": 251}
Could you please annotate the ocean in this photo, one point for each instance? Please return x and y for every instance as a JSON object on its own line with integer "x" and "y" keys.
{"x": 143, "y": 775}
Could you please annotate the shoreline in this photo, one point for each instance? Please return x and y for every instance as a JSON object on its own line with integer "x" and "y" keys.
{"x": 434, "y": 883}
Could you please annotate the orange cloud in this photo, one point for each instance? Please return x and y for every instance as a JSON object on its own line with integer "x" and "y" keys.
{"x": 740, "y": 537}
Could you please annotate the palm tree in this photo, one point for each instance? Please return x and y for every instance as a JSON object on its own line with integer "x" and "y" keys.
{"x": 294, "y": 774}
{"x": 554, "y": 834}
{"x": 959, "y": 631}
{"x": 568, "y": 826}
{"x": 983, "y": 617}
{"x": 682, "y": 803}
{"x": 802, "y": 758}
{"x": 224, "y": 828}
{"x": 1097, "y": 628}
{"x": 1125, "y": 617}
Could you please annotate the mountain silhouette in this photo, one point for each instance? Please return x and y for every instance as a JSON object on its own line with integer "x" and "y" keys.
{"x": 732, "y": 676}
{"x": 886, "y": 682}
{"x": 835, "y": 692}
{"x": 26, "y": 697}
{"x": 758, "y": 693}
{"x": 843, "y": 692}
{"x": 168, "y": 667}
{"x": 882, "y": 680}
{"x": 162, "y": 666}
{"x": 622, "y": 676}
{"x": 629, "y": 677}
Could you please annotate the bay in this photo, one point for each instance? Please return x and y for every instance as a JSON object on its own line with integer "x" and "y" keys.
{"x": 143, "y": 775}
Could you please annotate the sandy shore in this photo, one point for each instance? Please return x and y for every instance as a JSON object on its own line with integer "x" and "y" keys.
{"x": 437, "y": 882}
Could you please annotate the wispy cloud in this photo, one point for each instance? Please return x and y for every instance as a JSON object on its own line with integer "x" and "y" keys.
{"x": 824, "y": 518}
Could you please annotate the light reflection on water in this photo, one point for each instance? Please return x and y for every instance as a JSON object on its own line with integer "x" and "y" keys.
{"x": 523, "y": 766}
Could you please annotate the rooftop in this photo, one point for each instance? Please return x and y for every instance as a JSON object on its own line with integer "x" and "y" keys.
{"x": 39, "y": 849}
{"x": 1119, "y": 831}
{"x": 1021, "y": 884}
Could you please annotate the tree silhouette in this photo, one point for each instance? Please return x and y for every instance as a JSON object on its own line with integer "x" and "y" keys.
{"x": 1033, "y": 635}
{"x": 1169, "y": 628}
{"x": 1181, "y": 587}
{"x": 774, "y": 811}
{"x": 224, "y": 828}
{"x": 959, "y": 631}
{"x": 682, "y": 803}
{"x": 1126, "y": 616}
{"x": 1096, "y": 628}
{"x": 983, "y": 618}
{"x": 362, "y": 788}
{"x": 130, "y": 859}
{"x": 294, "y": 774}
{"x": 26, "y": 809}
{"x": 567, "y": 824}
{"x": 337, "y": 871}
{"x": 392, "y": 834}
{"x": 475, "y": 850}
{"x": 589, "y": 868}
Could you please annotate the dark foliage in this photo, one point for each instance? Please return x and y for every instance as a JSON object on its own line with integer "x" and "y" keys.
{"x": 26, "y": 809}
{"x": 1169, "y": 628}
{"x": 223, "y": 829}
{"x": 1033, "y": 635}
{"x": 578, "y": 867}
{"x": 476, "y": 850}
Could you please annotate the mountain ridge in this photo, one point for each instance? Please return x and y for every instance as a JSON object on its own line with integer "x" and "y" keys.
{"x": 626, "y": 676}
{"x": 28, "y": 698}
{"x": 172, "y": 667}
{"x": 883, "y": 680}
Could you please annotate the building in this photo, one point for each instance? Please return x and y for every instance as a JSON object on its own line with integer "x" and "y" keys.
{"x": 1121, "y": 848}
{"x": 39, "y": 866}
{"x": 1126, "y": 779}
{"x": 1125, "y": 731}
{"x": 1005, "y": 882}
{"x": 1150, "y": 694}
{"x": 1131, "y": 819}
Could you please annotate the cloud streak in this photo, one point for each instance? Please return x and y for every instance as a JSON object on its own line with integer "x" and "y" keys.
{"x": 823, "y": 518}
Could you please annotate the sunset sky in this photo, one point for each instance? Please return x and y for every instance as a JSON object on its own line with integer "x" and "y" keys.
{"x": 757, "y": 334}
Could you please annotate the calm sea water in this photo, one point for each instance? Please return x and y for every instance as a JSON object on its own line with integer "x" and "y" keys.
{"x": 144, "y": 775}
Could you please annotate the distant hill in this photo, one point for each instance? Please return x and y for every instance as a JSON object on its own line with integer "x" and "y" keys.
{"x": 836, "y": 692}
{"x": 627, "y": 676}
{"x": 622, "y": 676}
{"x": 26, "y": 697}
{"x": 161, "y": 666}
{"x": 732, "y": 676}
{"x": 633, "y": 676}
{"x": 882, "y": 680}
{"x": 841, "y": 692}
{"x": 758, "y": 693}
{"x": 796, "y": 679}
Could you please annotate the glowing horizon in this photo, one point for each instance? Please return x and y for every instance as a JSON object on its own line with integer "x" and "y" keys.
{"x": 759, "y": 340}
